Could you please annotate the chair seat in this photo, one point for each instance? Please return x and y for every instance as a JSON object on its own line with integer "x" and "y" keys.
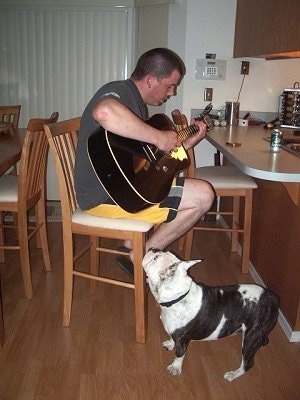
{"x": 225, "y": 177}
{"x": 82, "y": 218}
{"x": 9, "y": 188}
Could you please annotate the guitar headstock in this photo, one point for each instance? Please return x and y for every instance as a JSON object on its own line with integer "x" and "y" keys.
{"x": 204, "y": 116}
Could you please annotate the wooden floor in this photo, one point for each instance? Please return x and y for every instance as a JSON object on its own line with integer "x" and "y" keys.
{"x": 97, "y": 357}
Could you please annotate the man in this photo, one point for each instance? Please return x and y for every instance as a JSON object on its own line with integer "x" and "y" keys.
{"x": 121, "y": 107}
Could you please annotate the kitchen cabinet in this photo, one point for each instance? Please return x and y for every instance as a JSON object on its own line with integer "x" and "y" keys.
{"x": 275, "y": 250}
{"x": 268, "y": 29}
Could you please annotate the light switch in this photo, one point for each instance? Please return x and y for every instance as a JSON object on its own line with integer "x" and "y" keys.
{"x": 208, "y": 94}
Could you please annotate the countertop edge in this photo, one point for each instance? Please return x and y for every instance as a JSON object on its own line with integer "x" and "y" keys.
{"x": 254, "y": 172}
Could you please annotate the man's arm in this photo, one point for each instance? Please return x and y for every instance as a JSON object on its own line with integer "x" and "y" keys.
{"x": 119, "y": 119}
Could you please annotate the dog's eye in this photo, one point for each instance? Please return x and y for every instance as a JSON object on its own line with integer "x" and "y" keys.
{"x": 156, "y": 257}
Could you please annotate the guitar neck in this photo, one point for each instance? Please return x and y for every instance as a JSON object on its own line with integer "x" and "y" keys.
{"x": 192, "y": 129}
{"x": 187, "y": 132}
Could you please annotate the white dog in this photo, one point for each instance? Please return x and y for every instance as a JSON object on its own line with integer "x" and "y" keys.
{"x": 193, "y": 311}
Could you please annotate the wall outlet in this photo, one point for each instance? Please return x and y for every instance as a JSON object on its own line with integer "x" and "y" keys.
{"x": 245, "y": 67}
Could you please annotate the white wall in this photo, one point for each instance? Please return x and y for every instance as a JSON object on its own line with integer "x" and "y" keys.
{"x": 197, "y": 27}
{"x": 210, "y": 29}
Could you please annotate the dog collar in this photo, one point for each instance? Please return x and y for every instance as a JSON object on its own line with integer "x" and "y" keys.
{"x": 170, "y": 303}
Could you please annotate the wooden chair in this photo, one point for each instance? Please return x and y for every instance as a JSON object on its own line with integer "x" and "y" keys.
{"x": 228, "y": 181}
{"x": 9, "y": 120}
{"x": 9, "y": 116}
{"x": 20, "y": 193}
{"x": 62, "y": 138}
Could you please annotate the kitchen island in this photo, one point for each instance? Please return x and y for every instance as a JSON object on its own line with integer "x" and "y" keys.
{"x": 275, "y": 235}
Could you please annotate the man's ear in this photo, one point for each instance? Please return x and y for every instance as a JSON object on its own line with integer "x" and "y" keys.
{"x": 149, "y": 80}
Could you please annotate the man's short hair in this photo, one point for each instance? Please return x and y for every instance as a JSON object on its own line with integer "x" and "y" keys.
{"x": 160, "y": 62}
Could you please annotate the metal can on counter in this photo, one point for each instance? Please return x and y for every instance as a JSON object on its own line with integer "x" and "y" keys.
{"x": 276, "y": 140}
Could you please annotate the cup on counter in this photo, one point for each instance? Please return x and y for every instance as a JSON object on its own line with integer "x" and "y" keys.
{"x": 232, "y": 109}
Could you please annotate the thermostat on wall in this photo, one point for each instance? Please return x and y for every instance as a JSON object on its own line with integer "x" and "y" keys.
{"x": 210, "y": 69}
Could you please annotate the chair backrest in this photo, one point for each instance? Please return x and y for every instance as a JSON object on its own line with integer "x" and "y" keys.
{"x": 33, "y": 160}
{"x": 62, "y": 137}
{"x": 10, "y": 115}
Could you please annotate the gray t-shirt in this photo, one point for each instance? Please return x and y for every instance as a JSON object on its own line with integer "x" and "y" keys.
{"x": 89, "y": 191}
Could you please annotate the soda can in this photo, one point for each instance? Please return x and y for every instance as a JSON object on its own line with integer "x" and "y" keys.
{"x": 276, "y": 140}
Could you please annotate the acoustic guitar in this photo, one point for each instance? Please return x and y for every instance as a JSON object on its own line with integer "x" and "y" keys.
{"x": 136, "y": 174}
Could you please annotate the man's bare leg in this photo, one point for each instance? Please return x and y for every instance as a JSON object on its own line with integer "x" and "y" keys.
{"x": 197, "y": 199}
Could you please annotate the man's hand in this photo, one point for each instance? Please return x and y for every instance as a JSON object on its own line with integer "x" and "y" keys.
{"x": 168, "y": 141}
{"x": 197, "y": 137}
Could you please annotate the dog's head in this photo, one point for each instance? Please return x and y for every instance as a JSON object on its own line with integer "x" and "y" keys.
{"x": 167, "y": 274}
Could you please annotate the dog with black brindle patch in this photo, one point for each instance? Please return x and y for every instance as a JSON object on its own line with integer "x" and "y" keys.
{"x": 194, "y": 311}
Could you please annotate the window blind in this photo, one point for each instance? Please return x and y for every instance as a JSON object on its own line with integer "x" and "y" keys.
{"x": 54, "y": 60}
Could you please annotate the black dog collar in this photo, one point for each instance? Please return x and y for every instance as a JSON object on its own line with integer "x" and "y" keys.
{"x": 170, "y": 303}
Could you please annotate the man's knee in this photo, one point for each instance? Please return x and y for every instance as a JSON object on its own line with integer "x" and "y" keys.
{"x": 207, "y": 195}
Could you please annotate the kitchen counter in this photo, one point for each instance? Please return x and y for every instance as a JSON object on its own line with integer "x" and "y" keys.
{"x": 253, "y": 156}
{"x": 274, "y": 250}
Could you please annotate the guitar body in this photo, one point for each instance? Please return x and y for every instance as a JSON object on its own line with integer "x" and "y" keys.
{"x": 135, "y": 174}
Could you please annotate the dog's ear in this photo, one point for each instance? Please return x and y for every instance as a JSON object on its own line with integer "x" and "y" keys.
{"x": 188, "y": 264}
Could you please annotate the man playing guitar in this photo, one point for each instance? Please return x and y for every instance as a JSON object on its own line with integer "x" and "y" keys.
{"x": 120, "y": 107}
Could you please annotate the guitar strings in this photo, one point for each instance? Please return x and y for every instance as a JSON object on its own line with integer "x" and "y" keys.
{"x": 186, "y": 132}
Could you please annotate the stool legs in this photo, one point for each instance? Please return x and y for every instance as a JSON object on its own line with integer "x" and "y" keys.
{"x": 247, "y": 232}
{"x": 235, "y": 230}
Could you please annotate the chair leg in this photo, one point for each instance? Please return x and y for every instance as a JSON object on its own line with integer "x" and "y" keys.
{"x": 42, "y": 237}
{"x": 94, "y": 262}
{"x": 141, "y": 309}
{"x": 24, "y": 254}
{"x": 2, "y": 331}
{"x": 181, "y": 243}
{"x": 188, "y": 243}
{"x": 38, "y": 220}
{"x": 68, "y": 278}
{"x": 1, "y": 237}
{"x": 247, "y": 232}
{"x": 235, "y": 223}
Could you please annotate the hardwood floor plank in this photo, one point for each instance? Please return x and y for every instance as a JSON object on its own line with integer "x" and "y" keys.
{"x": 97, "y": 357}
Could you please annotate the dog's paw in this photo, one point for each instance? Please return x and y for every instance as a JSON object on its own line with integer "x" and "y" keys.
{"x": 169, "y": 344}
{"x": 174, "y": 369}
{"x": 231, "y": 375}
{"x": 176, "y": 366}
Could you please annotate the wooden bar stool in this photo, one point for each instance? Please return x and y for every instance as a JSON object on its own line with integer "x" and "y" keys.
{"x": 228, "y": 181}
{"x": 62, "y": 137}
{"x": 9, "y": 116}
{"x": 23, "y": 192}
